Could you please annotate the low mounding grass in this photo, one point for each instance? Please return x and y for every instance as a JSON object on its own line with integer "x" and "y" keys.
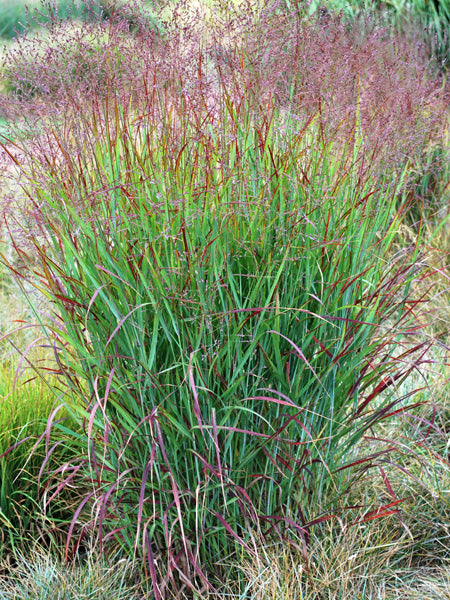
{"x": 38, "y": 576}
{"x": 217, "y": 241}
{"x": 368, "y": 564}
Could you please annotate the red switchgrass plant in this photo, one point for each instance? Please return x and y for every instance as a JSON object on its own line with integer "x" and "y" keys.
{"x": 229, "y": 333}
{"x": 217, "y": 249}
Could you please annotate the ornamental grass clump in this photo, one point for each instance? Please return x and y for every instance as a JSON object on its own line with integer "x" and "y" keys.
{"x": 230, "y": 320}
